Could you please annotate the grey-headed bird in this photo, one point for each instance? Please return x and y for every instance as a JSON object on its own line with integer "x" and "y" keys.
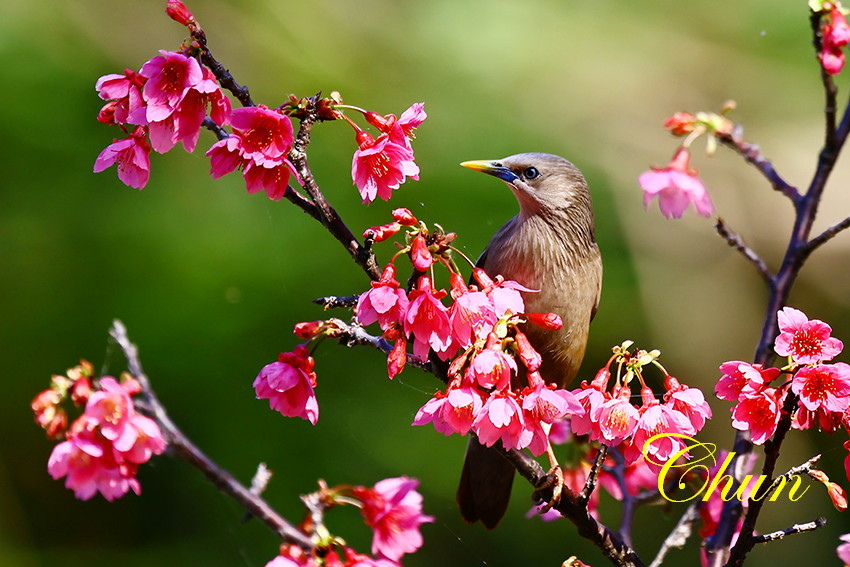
{"x": 549, "y": 246}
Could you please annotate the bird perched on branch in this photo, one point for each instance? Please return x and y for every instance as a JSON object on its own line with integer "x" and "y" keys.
{"x": 549, "y": 246}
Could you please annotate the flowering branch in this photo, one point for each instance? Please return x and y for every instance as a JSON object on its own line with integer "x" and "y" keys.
{"x": 179, "y": 443}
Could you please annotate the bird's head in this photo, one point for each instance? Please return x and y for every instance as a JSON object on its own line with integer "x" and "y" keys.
{"x": 542, "y": 183}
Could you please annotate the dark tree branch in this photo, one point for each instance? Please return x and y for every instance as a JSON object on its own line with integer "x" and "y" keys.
{"x": 738, "y": 244}
{"x": 593, "y": 475}
{"x": 180, "y": 444}
{"x": 362, "y": 255}
{"x": 333, "y": 302}
{"x": 225, "y": 79}
{"x": 825, "y": 236}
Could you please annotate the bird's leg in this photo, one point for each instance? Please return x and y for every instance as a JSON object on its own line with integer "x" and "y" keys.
{"x": 554, "y": 478}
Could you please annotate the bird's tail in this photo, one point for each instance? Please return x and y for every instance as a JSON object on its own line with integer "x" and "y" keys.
{"x": 485, "y": 485}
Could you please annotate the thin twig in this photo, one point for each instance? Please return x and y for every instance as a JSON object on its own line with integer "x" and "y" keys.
{"x": 736, "y": 242}
{"x": 333, "y": 302}
{"x": 180, "y": 444}
{"x": 752, "y": 154}
{"x": 355, "y": 335}
{"x": 680, "y": 534}
{"x": 331, "y": 220}
{"x": 225, "y": 79}
{"x": 593, "y": 475}
{"x": 826, "y": 235}
{"x": 795, "y": 529}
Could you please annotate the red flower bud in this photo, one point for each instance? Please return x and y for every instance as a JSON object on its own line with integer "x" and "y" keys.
{"x": 397, "y": 358}
{"x": 482, "y": 278}
{"x": 404, "y": 217}
{"x": 680, "y": 123}
{"x": 81, "y": 390}
{"x": 382, "y": 232}
{"x": 130, "y": 384}
{"x": 549, "y": 321}
{"x": 178, "y": 12}
{"x": 420, "y": 255}
{"x": 529, "y": 357}
{"x": 382, "y": 123}
{"x": 600, "y": 381}
{"x": 308, "y": 329}
{"x": 107, "y": 113}
{"x": 837, "y": 495}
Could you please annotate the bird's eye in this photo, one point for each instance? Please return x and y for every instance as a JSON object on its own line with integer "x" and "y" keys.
{"x": 531, "y": 173}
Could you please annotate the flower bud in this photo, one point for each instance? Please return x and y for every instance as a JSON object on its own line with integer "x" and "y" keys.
{"x": 529, "y": 357}
{"x": 81, "y": 390}
{"x": 382, "y": 232}
{"x": 420, "y": 255}
{"x": 397, "y": 358}
{"x": 404, "y": 217}
{"x": 178, "y": 12}
{"x": 548, "y": 321}
{"x": 308, "y": 329}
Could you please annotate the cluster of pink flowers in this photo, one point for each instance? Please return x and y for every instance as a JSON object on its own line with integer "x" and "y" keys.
{"x": 835, "y": 35}
{"x": 676, "y": 187}
{"x": 289, "y": 385}
{"x": 823, "y": 389}
{"x": 392, "y": 509}
{"x": 612, "y": 419}
{"x": 382, "y": 164}
{"x": 104, "y": 447}
{"x": 164, "y": 103}
{"x": 259, "y": 145}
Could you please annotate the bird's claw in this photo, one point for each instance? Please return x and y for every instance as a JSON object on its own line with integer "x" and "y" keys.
{"x": 554, "y": 481}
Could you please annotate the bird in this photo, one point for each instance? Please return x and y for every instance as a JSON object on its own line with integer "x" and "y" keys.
{"x": 549, "y": 246}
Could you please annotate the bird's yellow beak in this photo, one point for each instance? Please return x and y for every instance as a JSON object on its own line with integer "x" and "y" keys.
{"x": 491, "y": 167}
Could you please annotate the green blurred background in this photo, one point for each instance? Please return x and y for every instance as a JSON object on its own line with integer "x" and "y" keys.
{"x": 210, "y": 280}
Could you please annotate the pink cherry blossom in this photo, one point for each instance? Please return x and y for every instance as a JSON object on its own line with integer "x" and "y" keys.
{"x": 656, "y": 419}
{"x": 288, "y": 385}
{"x": 834, "y": 36}
{"x": 741, "y": 376}
{"x": 805, "y": 341}
{"x": 264, "y": 134}
{"x": 758, "y": 413}
{"x": 592, "y": 399}
{"x": 688, "y": 401}
{"x": 433, "y": 412}
{"x": 385, "y": 302}
{"x": 169, "y": 77}
{"x": 492, "y": 368}
{"x": 379, "y": 166}
{"x": 676, "y": 187}
{"x": 617, "y": 418}
{"x": 500, "y": 419}
{"x": 825, "y": 386}
{"x": 132, "y": 156}
{"x": 393, "y": 509}
{"x": 112, "y": 409}
{"x": 271, "y": 177}
{"x": 427, "y": 320}
{"x": 843, "y": 550}
{"x": 125, "y": 91}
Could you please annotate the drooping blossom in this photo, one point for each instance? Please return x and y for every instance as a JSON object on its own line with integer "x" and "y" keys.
{"x": 806, "y": 341}
{"x": 690, "y": 402}
{"x": 500, "y": 419}
{"x": 452, "y": 412}
{"x": 289, "y": 385}
{"x": 545, "y": 404}
{"x": 617, "y": 418}
{"x": 676, "y": 187}
{"x": 825, "y": 386}
{"x": 393, "y": 509}
{"x": 132, "y": 156}
{"x": 835, "y": 34}
{"x": 492, "y": 367}
{"x": 384, "y": 302}
{"x": 427, "y": 320}
{"x": 657, "y": 419}
{"x": 380, "y": 166}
